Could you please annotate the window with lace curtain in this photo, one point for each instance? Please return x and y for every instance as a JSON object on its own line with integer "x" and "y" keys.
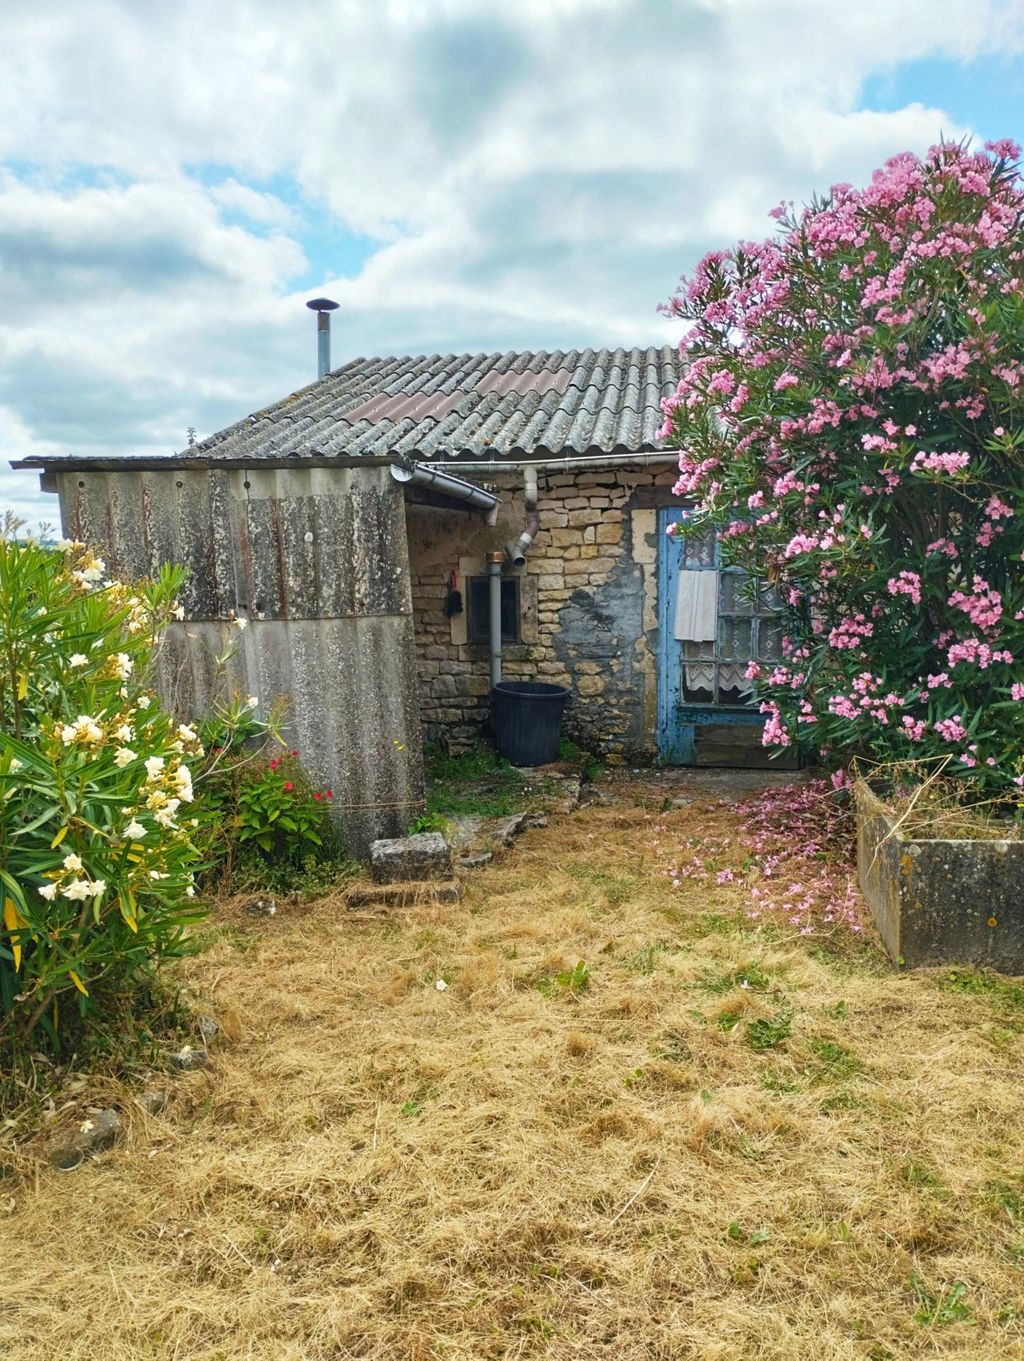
{"x": 725, "y": 620}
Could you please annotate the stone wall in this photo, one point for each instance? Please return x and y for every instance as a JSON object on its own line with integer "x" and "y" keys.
{"x": 588, "y": 606}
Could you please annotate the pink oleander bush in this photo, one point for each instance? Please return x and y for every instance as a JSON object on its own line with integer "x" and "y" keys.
{"x": 851, "y": 425}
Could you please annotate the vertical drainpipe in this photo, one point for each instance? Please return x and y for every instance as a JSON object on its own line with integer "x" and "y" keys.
{"x": 323, "y": 307}
{"x": 494, "y": 562}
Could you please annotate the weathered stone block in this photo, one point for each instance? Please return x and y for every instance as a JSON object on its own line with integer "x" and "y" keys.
{"x": 607, "y": 533}
{"x": 424, "y": 856}
{"x": 940, "y": 902}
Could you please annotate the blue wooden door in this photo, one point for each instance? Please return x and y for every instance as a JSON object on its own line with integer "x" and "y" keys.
{"x": 705, "y": 716}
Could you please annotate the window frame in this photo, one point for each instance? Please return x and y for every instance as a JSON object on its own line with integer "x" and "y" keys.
{"x": 478, "y": 632}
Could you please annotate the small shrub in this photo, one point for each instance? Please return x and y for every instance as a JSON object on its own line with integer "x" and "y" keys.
{"x": 274, "y": 828}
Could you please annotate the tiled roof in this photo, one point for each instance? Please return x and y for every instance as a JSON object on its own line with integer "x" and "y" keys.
{"x": 525, "y": 404}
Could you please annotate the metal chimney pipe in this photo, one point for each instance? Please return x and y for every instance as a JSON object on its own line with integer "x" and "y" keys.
{"x": 323, "y": 307}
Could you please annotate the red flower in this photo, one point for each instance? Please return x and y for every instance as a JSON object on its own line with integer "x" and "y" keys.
{"x": 330, "y": 793}
{"x": 288, "y": 785}
{"x": 295, "y": 753}
{"x": 317, "y": 795}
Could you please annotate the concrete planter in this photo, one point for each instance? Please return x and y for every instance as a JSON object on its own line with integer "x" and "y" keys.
{"x": 941, "y": 902}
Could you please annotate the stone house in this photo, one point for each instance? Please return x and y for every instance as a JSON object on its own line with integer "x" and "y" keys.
{"x": 350, "y": 524}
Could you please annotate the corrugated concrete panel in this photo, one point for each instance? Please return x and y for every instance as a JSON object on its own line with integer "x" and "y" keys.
{"x": 316, "y": 559}
{"x": 144, "y": 519}
{"x": 352, "y": 697}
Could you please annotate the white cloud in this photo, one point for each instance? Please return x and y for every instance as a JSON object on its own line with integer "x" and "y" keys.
{"x": 534, "y": 172}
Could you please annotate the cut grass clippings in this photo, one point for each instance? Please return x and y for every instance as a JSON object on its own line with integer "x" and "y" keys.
{"x": 636, "y": 1123}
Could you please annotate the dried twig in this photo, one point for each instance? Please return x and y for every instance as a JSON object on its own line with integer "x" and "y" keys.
{"x": 638, "y": 1192}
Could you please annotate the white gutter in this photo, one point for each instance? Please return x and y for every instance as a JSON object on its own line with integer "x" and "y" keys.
{"x": 434, "y": 480}
{"x": 561, "y": 465}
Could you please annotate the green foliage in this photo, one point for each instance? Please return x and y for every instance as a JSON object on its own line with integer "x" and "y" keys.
{"x": 273, "y": 829}
{"x": 1007, "y": 1198}
{"x": 277, "y": 812}
{"x": 753, "y": 978}
{"x": 836, "y": 1061}
{"x": 755, "y": 1239}
{"x": 590, "y": 766}
{"x": 769, "y": 1032}
{"x": 569, "y": 982}
{"x": 1002, "y": 994}
{"x": 475, "y": 782}
{"x": 937, "y": 1311}
{"x": 430, "y": 822}
{"x": 98, "y": 822}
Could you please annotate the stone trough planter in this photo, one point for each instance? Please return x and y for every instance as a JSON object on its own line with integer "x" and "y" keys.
{"x": 940, "y": 902}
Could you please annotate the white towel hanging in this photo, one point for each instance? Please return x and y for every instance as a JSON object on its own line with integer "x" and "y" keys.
{"x": 696, "y": 619}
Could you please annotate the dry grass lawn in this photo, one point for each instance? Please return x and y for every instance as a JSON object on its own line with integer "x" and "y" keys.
{"x": 640, "y": 1159}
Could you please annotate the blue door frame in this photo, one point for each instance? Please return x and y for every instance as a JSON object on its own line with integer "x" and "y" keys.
{"x": 679, "y": 723}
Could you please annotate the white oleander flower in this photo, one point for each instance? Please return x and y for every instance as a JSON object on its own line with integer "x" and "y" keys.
{"x": 84, "y": 729}
{"x": 78, "y": 659}
{"x": 142, "y": 702}
{"x": 240, "y": 624}
{"x": 72, "y": 862}
{"x": 48, "y": 891}
{"x": 124, "y": 756}
{"x": 252, "y": 701}
{"x": 124, "y": 733}
{"x": 154, "y": 766}
{"x": 77, "y": 890}
{"x": 134, "y": 830}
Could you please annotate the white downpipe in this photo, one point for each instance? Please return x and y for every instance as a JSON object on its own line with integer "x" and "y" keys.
{"x": 517, "y": 550}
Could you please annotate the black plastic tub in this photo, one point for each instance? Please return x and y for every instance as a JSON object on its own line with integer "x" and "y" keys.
{"x": 526, "y": 719}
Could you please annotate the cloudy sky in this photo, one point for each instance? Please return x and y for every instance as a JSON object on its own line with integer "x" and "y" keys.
{"x": 177, "y": 177}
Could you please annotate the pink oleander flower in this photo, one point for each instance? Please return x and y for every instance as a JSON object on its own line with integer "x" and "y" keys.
{"x": 939, "y": 463}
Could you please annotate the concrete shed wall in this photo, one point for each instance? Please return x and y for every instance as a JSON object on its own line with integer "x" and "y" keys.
{"x": 588, "y": 606}
{"x": 316, "y": 560}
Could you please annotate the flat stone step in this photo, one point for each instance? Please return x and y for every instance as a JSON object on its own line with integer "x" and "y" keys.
{"x": 402, "y": 895}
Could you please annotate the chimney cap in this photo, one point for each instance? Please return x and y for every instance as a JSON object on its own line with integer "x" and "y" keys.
{"x": 321, "y": 305}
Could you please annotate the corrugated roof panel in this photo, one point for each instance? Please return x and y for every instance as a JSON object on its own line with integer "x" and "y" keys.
{"x": 554, "y": 403}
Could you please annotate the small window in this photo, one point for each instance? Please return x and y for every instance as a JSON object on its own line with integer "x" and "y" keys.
{"x": 479, "y": 622}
